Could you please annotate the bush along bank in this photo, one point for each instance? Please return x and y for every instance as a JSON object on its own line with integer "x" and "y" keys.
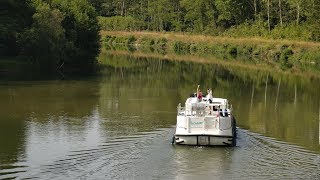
{"x": 287, "y": 55}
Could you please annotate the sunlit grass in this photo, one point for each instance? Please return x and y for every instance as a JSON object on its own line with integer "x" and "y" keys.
{"x": 284, "y": 55}
{"x": 188, "y": 37}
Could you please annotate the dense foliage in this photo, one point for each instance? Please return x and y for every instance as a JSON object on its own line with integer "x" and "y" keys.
{"x": 55, "y": 34}
{"x": 15, "y": 17}
{"x": 59, "y": 34}
{"x": 283, "y": 54}
{"x": 291, "y": 19}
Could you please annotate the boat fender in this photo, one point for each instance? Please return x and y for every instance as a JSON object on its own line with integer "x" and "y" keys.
{"x": 178, "y": 140}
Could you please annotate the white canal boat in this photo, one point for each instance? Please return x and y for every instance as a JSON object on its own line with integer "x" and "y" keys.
{"x": 206, "y": 121}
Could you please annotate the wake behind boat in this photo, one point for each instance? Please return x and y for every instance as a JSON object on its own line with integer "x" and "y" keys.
{"x": 205, "y": 121}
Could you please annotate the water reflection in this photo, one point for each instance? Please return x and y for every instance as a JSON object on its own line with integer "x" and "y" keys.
{"x": 31, "y": 113}
{"x": 120, "y": 124}
{"x": 12, "y": 134}
{"x": 281, "y": 110}
{"x": 131, "y": 103}
{"x": 278, "y": 105}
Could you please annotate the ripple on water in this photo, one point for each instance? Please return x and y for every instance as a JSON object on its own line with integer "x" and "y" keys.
{"x": 264, "y": 157}
{"x": 110, "y": 159}
{"x": 149, "y": 155}
{"x": 11, "y": 171}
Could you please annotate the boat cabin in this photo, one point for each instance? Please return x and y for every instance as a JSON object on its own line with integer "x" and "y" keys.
{"x": 205, "y": 107}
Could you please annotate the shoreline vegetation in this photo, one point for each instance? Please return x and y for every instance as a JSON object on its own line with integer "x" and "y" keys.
{"x": 281, "y": 34}
{"x": 285, "y": 55}
{"x": 63, "y": 36}
{"x": 60, "y": 36}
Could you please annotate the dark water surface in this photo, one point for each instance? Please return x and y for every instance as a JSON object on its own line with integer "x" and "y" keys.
{"x": 119, "y": 125}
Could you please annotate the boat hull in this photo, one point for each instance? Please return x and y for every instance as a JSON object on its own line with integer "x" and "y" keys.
{"x": 217, "y": 137}
{"x": 204, "y": 140}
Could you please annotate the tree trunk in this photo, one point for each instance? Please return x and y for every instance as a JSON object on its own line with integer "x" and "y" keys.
{"x": 255, "y": 9}
{"x": 142, "y": 14}
{"x": 141, "y": 9}
{"x": 122, "y": 8}
{"x": 268, "y": 9}
{"x": 160, "y": 23}
{"x": 280, "y": 12}
{"x": 298, "y": 12}
{"x": 148, "y": 15}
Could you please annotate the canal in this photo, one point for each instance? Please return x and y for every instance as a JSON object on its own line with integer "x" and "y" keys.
{"x": 119, "y": 125}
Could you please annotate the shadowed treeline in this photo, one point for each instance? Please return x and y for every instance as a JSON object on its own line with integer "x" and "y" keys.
{"x": 53, "y": 36}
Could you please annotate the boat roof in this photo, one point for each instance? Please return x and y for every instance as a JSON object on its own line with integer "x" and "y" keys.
{"x": 214, "y": 101}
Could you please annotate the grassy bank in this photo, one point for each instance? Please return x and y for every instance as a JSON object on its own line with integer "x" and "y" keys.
{"x": 283, "y": 54}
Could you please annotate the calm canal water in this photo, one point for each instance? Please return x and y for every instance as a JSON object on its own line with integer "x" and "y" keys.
{"x": 119, "y": 125}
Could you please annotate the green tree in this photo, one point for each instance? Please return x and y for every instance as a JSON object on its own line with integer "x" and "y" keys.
{"x": 233, "y": 12}
{"x": 104, "y": 8}
{"x": 315, "y": 20}
{"x": 54, "y": 33}
{"x": 44, "y": 40}
{"x": 301, "y": 9}
{"x": 81, "y": 32}
{"x": 200, "y": 14}
{"x": 14, "y": 19}
{"x": 161, "y": 15}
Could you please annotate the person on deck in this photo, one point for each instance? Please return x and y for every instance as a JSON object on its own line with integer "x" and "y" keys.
{"x": 199, "y": 93}
{"x": 209, "y": 94}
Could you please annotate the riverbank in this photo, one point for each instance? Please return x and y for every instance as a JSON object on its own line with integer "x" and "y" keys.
{"x": 285, "y": 55}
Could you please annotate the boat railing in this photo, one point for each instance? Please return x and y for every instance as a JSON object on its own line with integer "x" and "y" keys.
{"x": 199, "y": 109}
{"x": 181, "y": 110}
{"x": 195, "y": 109}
